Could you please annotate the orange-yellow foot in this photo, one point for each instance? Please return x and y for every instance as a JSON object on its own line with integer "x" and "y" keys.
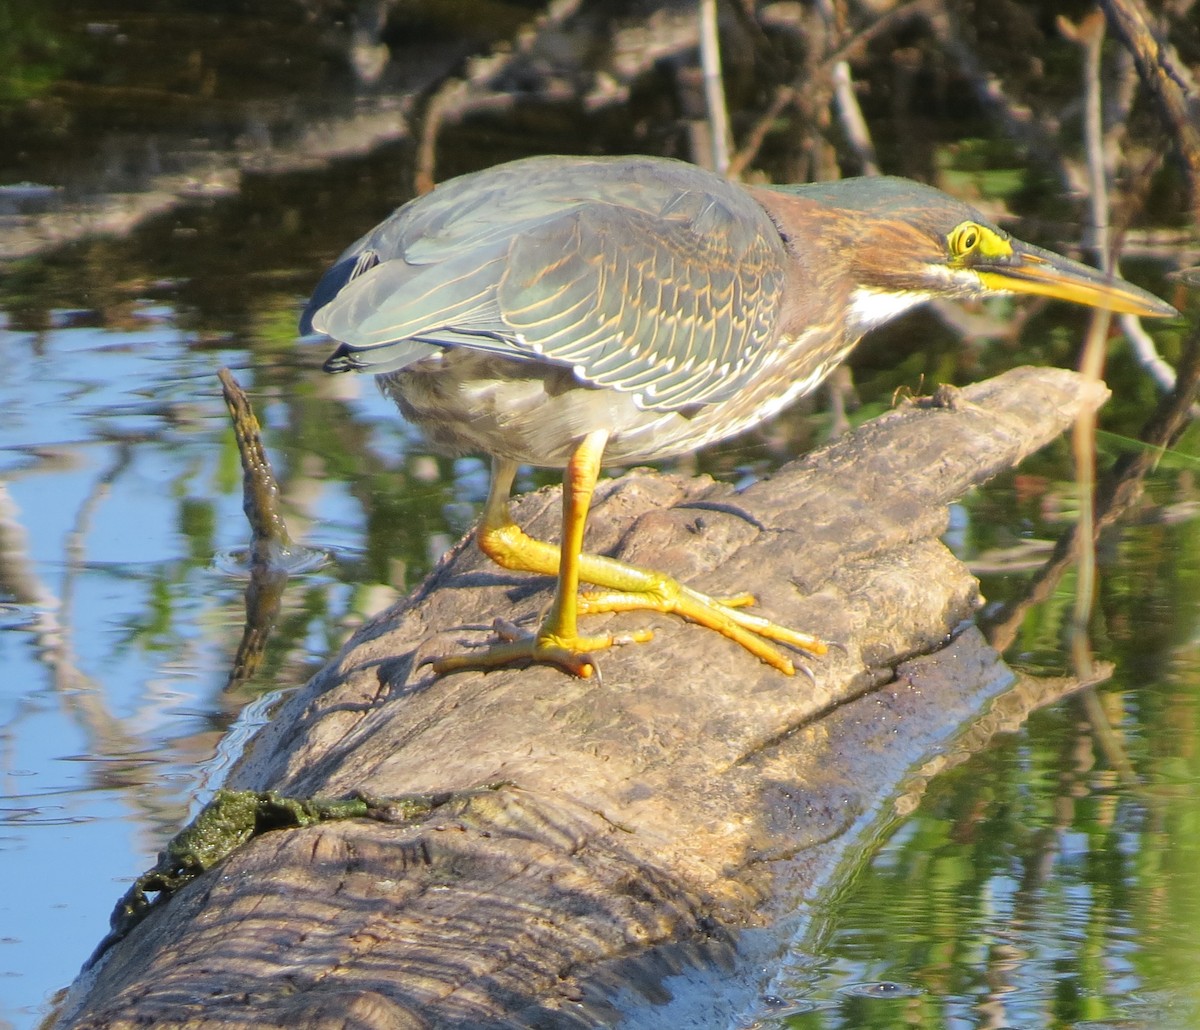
{"x": 616, "y": 586}
{"x": 519, "y": 648}
{"x": 721, "y": 614}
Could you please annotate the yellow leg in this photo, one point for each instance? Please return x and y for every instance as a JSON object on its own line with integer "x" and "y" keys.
{"x": 557, "y": 641}
{"x": 623, "y": 587}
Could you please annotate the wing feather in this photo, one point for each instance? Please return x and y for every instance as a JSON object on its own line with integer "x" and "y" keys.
{"x": 641, "y": 275}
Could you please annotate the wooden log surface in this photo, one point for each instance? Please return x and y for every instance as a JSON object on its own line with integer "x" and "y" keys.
{"x": 634, "y": 851}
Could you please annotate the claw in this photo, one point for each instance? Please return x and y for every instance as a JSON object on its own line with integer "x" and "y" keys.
{"x": 517, "y": 648}
{"x": 618, "y": 588}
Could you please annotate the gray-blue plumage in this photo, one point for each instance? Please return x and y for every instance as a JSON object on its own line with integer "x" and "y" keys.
{"x": 536, "y": 261}
{"x": 515, "y": 310}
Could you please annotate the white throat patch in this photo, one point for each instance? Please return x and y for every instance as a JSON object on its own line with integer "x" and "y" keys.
{"x": 870, "y": 308}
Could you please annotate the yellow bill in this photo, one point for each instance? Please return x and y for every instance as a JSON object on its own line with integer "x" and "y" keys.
{"x": 1030, "y": 269}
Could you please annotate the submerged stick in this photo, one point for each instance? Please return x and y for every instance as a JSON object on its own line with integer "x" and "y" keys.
{"x": 269, "y": 535}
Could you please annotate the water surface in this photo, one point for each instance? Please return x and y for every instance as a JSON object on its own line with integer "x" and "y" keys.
{"x": 1051, "y": 881}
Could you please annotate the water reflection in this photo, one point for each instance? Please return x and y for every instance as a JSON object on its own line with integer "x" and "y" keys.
{"x": 1031, "y": 889}
{"x": 1039, "y": 885}
{"x": 1034, "y": 887}
{"x": 120, "y": 486}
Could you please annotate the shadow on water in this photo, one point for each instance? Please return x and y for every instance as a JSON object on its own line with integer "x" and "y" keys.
{"x": 231, "y": 154}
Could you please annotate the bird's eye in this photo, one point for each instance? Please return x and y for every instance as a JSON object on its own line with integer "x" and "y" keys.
{"x": 965, "y": 239}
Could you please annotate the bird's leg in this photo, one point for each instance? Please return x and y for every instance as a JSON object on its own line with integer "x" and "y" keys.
{"x": 557, "y": 640}
{"x": 622, "y": 587}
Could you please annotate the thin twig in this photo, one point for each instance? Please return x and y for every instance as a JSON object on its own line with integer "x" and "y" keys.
{"x": 1116, "y": 495}
{"x": 855, "y": 45}
{"x": 819, "y": 74}
{"x": 451, "y": 93}
{"x": 714, "y": 86}
{"x": 1089, "y": 36}
{"x": 845, "y": 101}
{"x": 1125, "y": 483}
{"x": 1169, "y": 82}
{"x": 854, "y": 125}
{"x": 783, "y": 98}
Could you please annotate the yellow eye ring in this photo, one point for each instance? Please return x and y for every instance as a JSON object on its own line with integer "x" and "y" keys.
{"x": 965, "y": 239}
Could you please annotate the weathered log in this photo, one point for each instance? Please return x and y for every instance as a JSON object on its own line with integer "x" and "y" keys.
{"x": 654, "y": 835}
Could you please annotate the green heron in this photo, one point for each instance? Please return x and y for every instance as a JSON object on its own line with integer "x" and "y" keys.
{"x": 564, "y": 311}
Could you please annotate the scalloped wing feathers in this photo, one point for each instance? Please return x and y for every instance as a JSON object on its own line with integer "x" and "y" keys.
{"x": 652, "y": 278}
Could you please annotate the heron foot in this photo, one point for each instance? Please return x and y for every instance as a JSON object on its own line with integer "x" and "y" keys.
{"x": 724, "y": 615}
{"x": 613, "y": 585}
{"x": 517, "y": 648}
